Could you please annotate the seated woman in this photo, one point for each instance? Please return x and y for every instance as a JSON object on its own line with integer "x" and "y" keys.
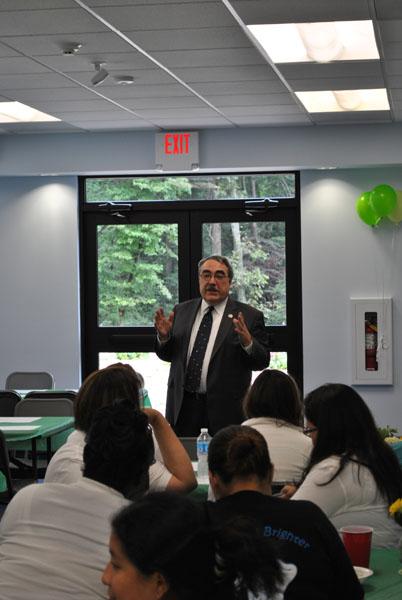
{"x": 273, "y": 406}
{"x": 53, "y": 536}
{"x": 240, "y": 476}
{"x": 172, "y": 468}
{"x": 353, "y": 475}
{"x": 163, "y": 548}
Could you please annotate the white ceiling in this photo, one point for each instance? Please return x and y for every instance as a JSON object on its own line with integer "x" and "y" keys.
{"x": 193, "y": 64}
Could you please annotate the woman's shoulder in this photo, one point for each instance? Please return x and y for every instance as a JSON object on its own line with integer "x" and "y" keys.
{"x": 327, "y": 466}
{"x": 329, "y": 461}
{"x": 272, "y": 423}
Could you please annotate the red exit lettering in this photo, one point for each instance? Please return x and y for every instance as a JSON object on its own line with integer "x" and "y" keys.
{"x": 177, "y": 143}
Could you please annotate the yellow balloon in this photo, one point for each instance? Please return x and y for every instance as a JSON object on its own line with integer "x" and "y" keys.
{"x": 396, "y": 215}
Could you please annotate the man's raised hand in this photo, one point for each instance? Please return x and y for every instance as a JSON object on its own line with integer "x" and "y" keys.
{"x": 163, "y": 324}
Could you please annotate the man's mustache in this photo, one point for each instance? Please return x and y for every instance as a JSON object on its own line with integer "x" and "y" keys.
{"x": 211, "y": 288}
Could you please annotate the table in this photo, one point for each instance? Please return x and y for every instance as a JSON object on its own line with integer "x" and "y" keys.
{"x": 30, "y": 431}
{"x": 386, "y": 583}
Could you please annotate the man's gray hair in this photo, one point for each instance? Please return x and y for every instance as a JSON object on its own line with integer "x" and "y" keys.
{"x": 220, "y": 259}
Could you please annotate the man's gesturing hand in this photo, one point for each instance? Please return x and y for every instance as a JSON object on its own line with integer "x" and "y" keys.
{"x": 240, "y": 327}
{"x": 163, "y": 324}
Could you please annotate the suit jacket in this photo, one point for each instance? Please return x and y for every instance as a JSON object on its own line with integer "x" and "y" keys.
{"x": 229, "y": 371}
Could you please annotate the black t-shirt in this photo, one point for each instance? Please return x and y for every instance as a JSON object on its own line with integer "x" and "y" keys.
{"x": 302, "y": 535}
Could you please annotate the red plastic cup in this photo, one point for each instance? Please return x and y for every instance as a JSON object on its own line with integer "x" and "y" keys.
{"x": 357, "y": 541}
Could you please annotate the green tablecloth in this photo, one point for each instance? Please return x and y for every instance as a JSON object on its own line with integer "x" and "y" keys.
{"x": 58, "y": 428}
{"x": 386, "y": 583}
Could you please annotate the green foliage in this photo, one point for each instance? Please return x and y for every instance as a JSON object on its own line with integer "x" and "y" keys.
{"x": 387, "y": 431}
{"x": 138, "y": 263}
{"x": 122, "y": 356}
{"x": 279, "y": 361}
{"x": 200, "y": 187}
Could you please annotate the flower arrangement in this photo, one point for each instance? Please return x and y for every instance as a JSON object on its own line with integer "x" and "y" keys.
{"x": 395, "y": 510}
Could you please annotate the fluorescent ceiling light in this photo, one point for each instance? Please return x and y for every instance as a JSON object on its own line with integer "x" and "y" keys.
{"x": 317, "y": 42}
{"x": 344, "y": 100}
{"x": 15, "y": 112}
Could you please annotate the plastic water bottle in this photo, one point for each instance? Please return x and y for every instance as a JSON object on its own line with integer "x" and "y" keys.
{"x": 202, "y": 455}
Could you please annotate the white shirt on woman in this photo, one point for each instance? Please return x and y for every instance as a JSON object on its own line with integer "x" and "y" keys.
{"x": 288, "y": 447}
{"x": 352, "y": 498}
{"x": 67, "y": 464}
{"x": 54, "y": 541}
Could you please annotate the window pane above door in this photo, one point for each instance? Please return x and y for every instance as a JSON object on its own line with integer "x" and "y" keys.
{"x": 137, "y": 272}
{"x": 257, "y": 253}
{"x": 191, "y": 187}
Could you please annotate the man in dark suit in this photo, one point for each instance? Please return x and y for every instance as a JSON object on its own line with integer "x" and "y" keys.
{"x": 212, "y": 352}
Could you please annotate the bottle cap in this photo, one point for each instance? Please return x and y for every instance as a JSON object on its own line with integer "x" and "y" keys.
{"x": 204, "y": 429}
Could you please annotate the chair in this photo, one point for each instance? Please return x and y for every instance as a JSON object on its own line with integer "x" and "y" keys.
{"x": 29, "y": 380}
{"x": 190, "y": 444}
{"x": 70, "y": 394}
{"x": 8, "y": 400}
{"x": 45, "y": 407}
{"x": 5, "y": 466}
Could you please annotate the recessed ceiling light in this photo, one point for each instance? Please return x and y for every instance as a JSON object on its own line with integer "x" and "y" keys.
{"x": 317, "y": 42}
{"x": 15, "y": 112}
{"x": 344, "y": 100}
{"x": 124, "y": 79}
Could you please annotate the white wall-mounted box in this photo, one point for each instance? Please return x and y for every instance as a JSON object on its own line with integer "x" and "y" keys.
{"x": 372, "y": 341}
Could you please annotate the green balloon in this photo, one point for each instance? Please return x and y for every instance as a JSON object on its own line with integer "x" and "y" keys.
{"x": 365, "y": 210}
{"x": 383, "y": 199}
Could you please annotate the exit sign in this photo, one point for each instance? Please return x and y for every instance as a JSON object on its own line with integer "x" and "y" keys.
{"x": 176, "y": 150}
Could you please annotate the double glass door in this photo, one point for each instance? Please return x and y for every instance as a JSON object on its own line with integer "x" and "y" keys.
{"x": 139, "y": 259}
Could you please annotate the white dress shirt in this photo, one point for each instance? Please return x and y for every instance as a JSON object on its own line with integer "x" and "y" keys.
{"x": 217, "y": 315}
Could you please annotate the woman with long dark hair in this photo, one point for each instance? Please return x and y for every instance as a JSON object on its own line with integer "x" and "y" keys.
{"x": 163, "y": 548}
{"x": 353, "y": 475}
{"x": 273, "y": 406}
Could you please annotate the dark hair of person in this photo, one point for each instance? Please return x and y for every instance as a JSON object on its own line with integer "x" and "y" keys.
{"x": 274, "y": 394}
{"x": 239, "y": 452}
{"x": 346, "y": 428}
{"x": 119, "y": 449}
{"x": 220, "y": 259}
{"x": 169, "y": 534}
{"x": 103, "y": 388}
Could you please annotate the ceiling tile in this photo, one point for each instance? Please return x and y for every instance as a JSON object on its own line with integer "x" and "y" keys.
{"x": 338, "y": 83}
{"x": 184, "y": 113}
{"x": 393, "y": 50}
{"x": 391, "y": 31}
{"x": 252, "y": 100}
{"x": 338, "y": 69}
{"x": 167, "y": 16}
{"x": 38, "y": 81}
{"x": 272, "y": 120}
{"x": 19, "y": 65}
{"x": 175, "y": 123}
{"x": 285, "y": 11}
{"x": 239, "y": 87}
{"x": 191, "y": 39}
{"x": 139, "y": 90}
{"x": 226, "y": 74}
{"x": 381, "y": 116}
{"x": 262, "y": 111}
{"x": 210, "y": 58}
{"x": 388, "y": 9}
{"x": 63, "y": 21}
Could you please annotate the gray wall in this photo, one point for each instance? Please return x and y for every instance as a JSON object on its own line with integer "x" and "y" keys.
{"x": 39, "y": 316}
{"x": 341, "y": 256}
